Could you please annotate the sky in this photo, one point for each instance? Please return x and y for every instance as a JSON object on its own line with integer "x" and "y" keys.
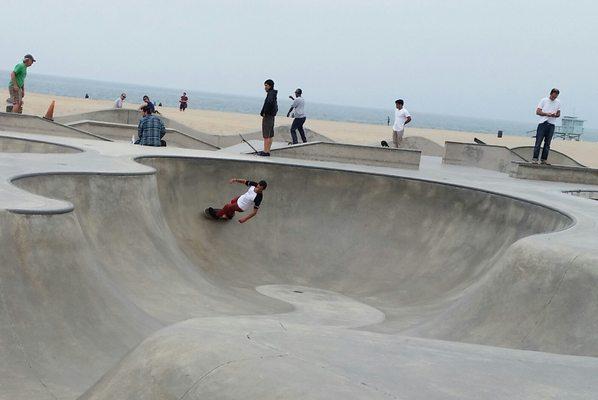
{"x": 476, "y": 58}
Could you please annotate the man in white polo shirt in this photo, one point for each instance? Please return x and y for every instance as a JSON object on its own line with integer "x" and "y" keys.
{"x": 548, "y": 110}
{"x": 402, "y": 118}
{"x": 250, "y": 200}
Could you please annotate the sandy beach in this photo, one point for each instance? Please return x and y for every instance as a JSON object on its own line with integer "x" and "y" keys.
{"x": 227, "y": 123}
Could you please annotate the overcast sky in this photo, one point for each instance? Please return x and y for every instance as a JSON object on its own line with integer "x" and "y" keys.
{"x": 478, "y": 58}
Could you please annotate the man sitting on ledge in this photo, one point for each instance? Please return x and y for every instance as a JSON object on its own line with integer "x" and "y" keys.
{"x": 151, "y": 129}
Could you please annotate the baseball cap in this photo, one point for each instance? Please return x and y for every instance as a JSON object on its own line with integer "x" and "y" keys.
{"x": 29, "y": 56}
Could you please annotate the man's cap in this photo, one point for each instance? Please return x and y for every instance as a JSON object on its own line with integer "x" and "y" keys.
{"x": 299, "y": 91}
{"x": 29, "y": 56}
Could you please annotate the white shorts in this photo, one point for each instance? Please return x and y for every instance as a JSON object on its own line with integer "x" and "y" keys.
{"x": 397, "y": 136}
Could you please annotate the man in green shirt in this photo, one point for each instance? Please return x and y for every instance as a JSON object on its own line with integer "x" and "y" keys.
{"x": 16, "y": 86}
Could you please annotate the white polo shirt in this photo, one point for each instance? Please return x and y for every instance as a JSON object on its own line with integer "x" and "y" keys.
{"x": 549, "y": 106}
{"x": 400, "y": 118}
{"x": 250, "y": 198}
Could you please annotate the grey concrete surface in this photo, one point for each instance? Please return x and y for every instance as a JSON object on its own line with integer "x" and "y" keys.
{"x": 15, "y": 145}
{"x": 426, "y": 146}
{"x": 125, "y": 132}
{"x": 587, "y": 194}
{"x": 352, "y": 281}
{"x": 554, "y": 157}
{"x": 497, "y": 158}
{"x": 558, "y": 173}
{"x": 32, "y": 124}
{"x": 353, "y": 154}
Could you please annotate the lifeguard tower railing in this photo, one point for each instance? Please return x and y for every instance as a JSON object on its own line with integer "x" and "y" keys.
{"x": 571, "y": 129}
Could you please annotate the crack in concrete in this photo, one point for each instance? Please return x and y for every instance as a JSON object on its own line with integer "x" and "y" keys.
{"x": 19, "y": 343}
{"x": 543, "y": 312}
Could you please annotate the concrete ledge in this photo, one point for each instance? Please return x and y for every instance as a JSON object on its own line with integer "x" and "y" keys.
{"x": 554, "y": 157}
{"x": 118, "y": 131}
{"x": 586, "y": 194}
{"x": 352, "y": 154}
{"x": 555, "y": 173}
{"x": 496, "y": 158}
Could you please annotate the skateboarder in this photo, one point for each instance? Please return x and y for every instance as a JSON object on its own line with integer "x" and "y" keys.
{"x": 250, "y": 200}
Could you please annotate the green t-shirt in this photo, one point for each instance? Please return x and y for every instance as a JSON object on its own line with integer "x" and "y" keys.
{"x": 20, "y": 74}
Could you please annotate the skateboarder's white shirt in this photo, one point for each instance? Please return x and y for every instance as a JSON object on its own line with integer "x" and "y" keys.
{"x": 249, "y": 199}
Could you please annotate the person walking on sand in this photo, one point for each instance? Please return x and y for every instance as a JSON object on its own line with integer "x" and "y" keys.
{"x": 402, "y": 118}
{"x": 250, "y": 200}
{"x": 16, "y": 85}
{"x": 549, "y": 109}
{"x": 150, "y": 130}
{"x": 119, "y": 102}
{"x": 268, "y": 113}
{"x": 299, "y": 116}
{"x": 183, "y": 102}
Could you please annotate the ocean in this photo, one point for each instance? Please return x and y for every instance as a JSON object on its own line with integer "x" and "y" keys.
{"x": 73, "y": 87}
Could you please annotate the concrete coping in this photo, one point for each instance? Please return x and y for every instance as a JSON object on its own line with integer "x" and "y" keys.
{"x": 555, "y": 173}
{"x": 476, "y": 144}
{"x": 294, "y": 146}
{"x": 527, "y": 164}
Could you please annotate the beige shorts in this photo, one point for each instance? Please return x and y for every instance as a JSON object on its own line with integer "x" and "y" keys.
{"x": 397, "y": 136}
{"x": 16, "y": 96}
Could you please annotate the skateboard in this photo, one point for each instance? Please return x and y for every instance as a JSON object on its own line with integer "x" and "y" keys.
{"x": 210, "y": 213}
{"x": 248, "y": 144}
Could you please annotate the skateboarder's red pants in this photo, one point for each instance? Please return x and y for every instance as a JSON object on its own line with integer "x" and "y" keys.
{"x": 229, "y": 209}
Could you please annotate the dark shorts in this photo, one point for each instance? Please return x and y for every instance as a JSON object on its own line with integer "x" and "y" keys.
{"x": 268, "y": 126}
{"x": 183, "y": 106}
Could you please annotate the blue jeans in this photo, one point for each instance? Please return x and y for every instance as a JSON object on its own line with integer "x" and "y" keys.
{"x": 298, "y": 125}
{"x": 544, "y": 132}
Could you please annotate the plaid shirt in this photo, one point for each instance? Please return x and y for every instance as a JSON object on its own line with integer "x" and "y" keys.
{"x": 150, "y": 131}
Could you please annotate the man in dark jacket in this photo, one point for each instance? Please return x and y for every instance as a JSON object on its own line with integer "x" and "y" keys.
{"x": 268, "y": 113}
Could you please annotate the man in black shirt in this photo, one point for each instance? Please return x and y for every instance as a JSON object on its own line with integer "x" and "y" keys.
{"x": 269, "y": 110}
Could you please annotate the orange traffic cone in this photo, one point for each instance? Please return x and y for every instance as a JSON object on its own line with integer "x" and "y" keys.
{"x": 50, "y": 113}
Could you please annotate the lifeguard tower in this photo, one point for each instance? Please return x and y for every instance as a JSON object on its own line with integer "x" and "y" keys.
{"x": 571, "y": 129}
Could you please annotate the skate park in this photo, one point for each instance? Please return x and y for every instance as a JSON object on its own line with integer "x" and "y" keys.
{"x": 448, "y": 276}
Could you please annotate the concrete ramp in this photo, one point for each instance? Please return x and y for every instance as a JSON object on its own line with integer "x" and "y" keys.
{"x": 125, "y": 116}
{"x": 31, "y": 124}
{"x": 281, "y": 134}
{"x": 125, "y": 132}
{"x": 497, "y": 158}
{"x": 555, "y": 173}
{"x": 131, "y": 117}
{"x": 426, "y": 146}
{"x": 555, "y": 157}
{"x": 10, "y": 144}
